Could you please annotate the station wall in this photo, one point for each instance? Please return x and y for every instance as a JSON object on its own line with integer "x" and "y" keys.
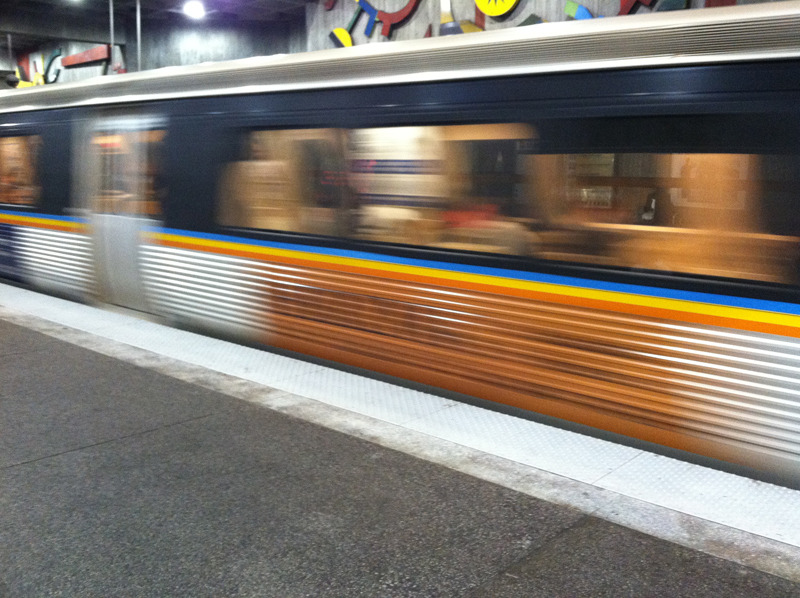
{"x": 172, "y": 45}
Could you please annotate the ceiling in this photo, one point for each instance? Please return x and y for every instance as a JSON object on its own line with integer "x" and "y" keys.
{"x": 51, "y": 12}
{"x": 228, "y": 10}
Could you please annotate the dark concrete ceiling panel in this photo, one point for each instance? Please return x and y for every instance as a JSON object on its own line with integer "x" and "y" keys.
{"x": 33, "y": 23}
{"x": 236, "y": 10}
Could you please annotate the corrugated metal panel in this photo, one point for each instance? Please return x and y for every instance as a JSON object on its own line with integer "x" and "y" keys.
{"x": 57, "y": 260}
{"x": 224, "y": 294}
{"x": 754, "y": 32}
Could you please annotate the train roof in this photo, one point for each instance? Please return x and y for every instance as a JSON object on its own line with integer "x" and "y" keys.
{"x": 769, "y": 31}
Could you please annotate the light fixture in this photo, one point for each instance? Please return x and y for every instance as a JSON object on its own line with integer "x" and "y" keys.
{"x": 194, "y": 9}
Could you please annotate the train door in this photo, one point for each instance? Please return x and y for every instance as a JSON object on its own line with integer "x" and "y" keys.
{"x": 122, "y": 190}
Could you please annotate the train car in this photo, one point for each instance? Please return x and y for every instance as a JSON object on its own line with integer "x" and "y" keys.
{"x": 592, "y": 221}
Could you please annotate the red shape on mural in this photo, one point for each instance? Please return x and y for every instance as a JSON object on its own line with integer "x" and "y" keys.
{"x": 24, "y": 65}
{"x": 480, "y": 18}
{"x": 96, "y": 54}
{"x": 428, "y": 31}
{"x": 395, "y": 18}
{"x": 626, "y": 6}
{"x": 329, "y": 4}
{"x": 716, "y": 3}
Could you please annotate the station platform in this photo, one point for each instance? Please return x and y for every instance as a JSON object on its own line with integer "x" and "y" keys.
{"x": 142, "y": 460}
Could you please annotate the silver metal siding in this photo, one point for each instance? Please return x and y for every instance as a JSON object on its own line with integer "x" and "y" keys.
{"x": 224, "y": 294}
{"x": 57, "y": 260}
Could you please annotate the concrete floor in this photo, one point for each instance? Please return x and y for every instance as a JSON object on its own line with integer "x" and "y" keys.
{"x": 118, "y": 480}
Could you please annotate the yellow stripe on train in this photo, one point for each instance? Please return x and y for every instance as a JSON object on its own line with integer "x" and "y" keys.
{"x": 498, "y": 282}
{"x": 33, "y": 221}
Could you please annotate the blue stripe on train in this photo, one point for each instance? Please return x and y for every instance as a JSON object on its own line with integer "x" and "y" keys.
{"x": 43, "y": 216}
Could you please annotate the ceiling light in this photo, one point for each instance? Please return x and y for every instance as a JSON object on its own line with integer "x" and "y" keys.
{"x": 194, "y": 9}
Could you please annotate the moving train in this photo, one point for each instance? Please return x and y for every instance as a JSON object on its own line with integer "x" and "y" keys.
{"x": 594, "y": 221}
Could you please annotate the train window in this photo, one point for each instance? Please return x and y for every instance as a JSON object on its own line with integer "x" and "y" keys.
{"x": 453, "y": 187}
{"x": 18, "y": 164}
{"x": 458, "y": 187}
{"x": 288, "y": 180}
{"x": 128, "y": 180}
{"x": 398, "y": 176}
{"x": 484, "y": 188}
{"x": 692, "y": 213}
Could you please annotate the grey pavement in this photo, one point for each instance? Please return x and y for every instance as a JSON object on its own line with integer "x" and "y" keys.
{"x": 117, "y": 480}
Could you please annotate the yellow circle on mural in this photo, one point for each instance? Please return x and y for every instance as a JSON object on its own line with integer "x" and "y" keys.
{"x": 496, "y": 8}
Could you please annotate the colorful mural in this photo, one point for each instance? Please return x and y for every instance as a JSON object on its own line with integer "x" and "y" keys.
{"x": 343, "y": 38}
{"x": 499, "y": 11}
{"x": 44, "y": 72}
{"x": 48, "y": 70}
